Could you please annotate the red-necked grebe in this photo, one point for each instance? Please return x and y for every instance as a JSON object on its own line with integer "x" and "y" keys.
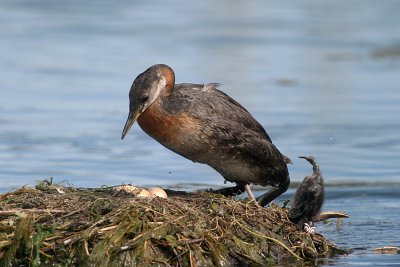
{"x": 308, "y": 199}
{"x": 205, "y": 125}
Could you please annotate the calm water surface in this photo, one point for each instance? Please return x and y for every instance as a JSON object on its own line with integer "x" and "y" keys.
{"x": 323, "y": 78}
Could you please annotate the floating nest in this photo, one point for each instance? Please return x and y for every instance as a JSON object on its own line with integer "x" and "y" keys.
{"x": 65, "y": 226}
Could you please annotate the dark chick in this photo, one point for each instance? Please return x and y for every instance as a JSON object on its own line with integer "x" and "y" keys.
{"x": 308, "y": 199}
{"x": 205, "y": 125}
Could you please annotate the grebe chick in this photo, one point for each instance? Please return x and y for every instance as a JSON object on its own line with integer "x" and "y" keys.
{"x": 308, "y": 199}
{"x": 205, "y": 125}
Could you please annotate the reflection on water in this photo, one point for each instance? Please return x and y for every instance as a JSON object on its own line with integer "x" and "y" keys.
{"x": 322, "y": 77}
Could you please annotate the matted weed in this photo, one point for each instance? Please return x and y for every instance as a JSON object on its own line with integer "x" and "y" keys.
{"x": 95, "y": 227}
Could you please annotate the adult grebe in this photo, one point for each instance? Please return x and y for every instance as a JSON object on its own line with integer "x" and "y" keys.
{"x": 205, "y": 125}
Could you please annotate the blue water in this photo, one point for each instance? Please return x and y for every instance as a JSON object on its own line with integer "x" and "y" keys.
{"x": 374, "y": 222}
{"x": 323, "y": 78}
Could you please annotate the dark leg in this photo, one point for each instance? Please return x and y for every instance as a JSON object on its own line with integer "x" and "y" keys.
{"x": 230, "y": 191}
{"x": 266, "y": 198}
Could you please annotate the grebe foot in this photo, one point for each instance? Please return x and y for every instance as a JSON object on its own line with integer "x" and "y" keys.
{"x": 230, "y": 191}
{"x": 308, "y": 228}
{"x": 266, "y": 198}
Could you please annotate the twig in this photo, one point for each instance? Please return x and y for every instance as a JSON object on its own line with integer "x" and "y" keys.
{"x": 72, "y": 213}
{"x": 71, "y": 240}
{"x": 5, "y": 243}
{"x": 86, "y": 247}
{"x": 178, "y": 257}
{"x": 102, "y": 230}
{"x": 36, "y": 211}
{"x": 387, "y": 250}
{"x": 192, "y": 241}
{"x": 45, "y": 254}
{"x": 124, "y": 248}
{"x": 330, "y": 215}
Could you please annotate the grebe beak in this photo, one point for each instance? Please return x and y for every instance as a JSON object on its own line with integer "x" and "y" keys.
{"x": 132, "y": 117}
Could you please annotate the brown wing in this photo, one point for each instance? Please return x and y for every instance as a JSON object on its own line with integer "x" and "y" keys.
{"x": 225, "y": 129}
{"x": 206, "y": 101}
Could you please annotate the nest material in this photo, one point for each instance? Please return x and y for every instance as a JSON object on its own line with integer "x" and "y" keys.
{"x": 95, "y": 227}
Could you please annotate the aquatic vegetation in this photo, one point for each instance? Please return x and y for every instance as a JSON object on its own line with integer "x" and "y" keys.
{"x": 99, "y": 227}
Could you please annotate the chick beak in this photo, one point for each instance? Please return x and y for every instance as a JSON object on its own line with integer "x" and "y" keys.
{"x": 132, "y": 117}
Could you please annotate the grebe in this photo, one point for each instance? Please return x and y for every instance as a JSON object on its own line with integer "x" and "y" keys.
{"x": 308, "y": 199}
{"x": 205, "y": 125}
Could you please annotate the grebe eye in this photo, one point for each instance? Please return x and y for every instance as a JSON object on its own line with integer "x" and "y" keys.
{"x": 145, "y": 98}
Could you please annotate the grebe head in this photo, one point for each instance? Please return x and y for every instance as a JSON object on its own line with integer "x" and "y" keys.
{"x": 315, "y": 165}
{"x": 310, "y": 159}
{"x": 146, "y": 88}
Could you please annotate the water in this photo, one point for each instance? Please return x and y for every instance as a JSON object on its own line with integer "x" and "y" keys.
{"x": 322, "y": 77}
{"x": 374, "y": 223}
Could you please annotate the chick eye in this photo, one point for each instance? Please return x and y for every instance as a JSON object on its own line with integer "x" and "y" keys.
{"x": 145, "y": 98}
